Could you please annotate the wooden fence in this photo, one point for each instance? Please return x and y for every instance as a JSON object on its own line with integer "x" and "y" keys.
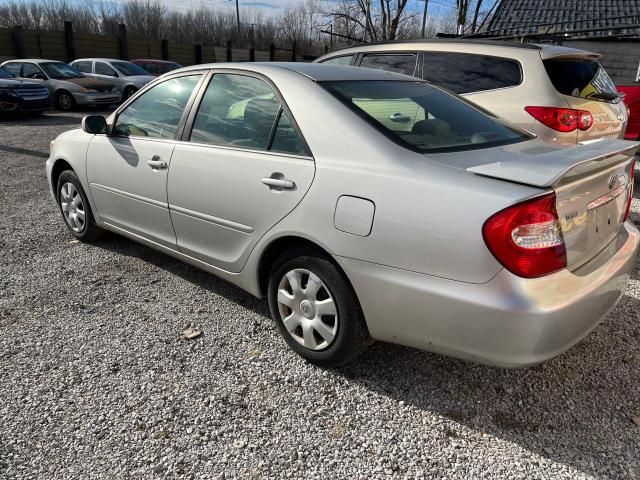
{"x": 68, "y": 45}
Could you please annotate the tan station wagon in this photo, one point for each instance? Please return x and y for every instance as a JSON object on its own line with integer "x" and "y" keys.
{"x": 558, "y": 93}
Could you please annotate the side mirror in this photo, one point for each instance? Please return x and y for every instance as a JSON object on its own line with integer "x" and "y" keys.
{"x": 94, "y": 124}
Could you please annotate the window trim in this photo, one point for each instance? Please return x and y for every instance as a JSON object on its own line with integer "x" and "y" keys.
{"x": 113, "y": 118}
{"x": 190, "y": 121}
{"x": 474, "y": 92}
{"x": 387, "y": 53}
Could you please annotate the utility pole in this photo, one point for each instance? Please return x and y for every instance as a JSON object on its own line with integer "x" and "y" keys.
{"x": 367, "y": 8}
{"x": 238, "y": 17}
{"x": 424, "y": 16}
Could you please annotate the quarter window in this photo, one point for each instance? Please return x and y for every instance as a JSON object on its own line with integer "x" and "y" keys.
{"x": 241, "y": 111}
{"x": 13, "y": 68}
{"x": 84, "y": 67}
{"x": 104, "y": 69}
{"x": 467, "y": 73}
{"x": 157, "y": 113}
{"x": 402, "y": 63}
{"x": 344, "y": 60}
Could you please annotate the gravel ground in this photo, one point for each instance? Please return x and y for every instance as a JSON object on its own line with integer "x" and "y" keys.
{"x": 95, "y": 381}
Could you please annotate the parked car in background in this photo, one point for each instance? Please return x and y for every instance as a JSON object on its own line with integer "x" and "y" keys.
{"x": 156, "y": 67}
{"x": 22, "y": 96}
{"x": 126, "y": 76}
{"x": 67, "y": 86}
{"x": 631, "y": 94}
{"x": 452, "y": 231}
{"x": 558, "y": 93}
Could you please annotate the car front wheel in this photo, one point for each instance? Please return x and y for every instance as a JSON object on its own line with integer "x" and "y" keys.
{"x": 316, "y": 310}
{"x": 64, "y": 101}
{"x": 129, "y": 91}
{"x": 74, "y": 207}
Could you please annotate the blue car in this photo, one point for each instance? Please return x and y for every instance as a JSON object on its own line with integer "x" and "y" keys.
{"x": 22, "y": 96}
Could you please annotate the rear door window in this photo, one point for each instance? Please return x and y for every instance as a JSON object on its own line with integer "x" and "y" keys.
{"x": 399, "y": 63}
{"x": 84, "y": 67}
{"x": 468, "y": 73}
{"x": 580, "y": 77}
{"x": 344, "y": 60}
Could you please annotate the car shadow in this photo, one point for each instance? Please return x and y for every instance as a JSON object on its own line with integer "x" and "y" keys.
{"x": 47, "y": 118}
{"x": 574, "y": 410}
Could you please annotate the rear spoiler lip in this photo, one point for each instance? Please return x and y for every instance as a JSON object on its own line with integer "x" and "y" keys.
{"x": 547, "y": 169}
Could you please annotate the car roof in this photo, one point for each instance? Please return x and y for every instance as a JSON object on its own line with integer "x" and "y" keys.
{"x": 101, "y": 59}
{"x": 546, "y": 51}
{"x": 33, "y": 60}
{"x": 315, "y": 71}
{"x": 151, "y": 60}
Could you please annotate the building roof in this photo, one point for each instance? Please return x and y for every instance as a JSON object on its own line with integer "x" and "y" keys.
{"x": 526, "y": 17}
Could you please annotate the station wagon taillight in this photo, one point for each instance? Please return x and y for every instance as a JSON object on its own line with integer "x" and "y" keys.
{"x": 526, "y": 238}
{"x": 631, "y": 182}
{"x": 562, "y": 119}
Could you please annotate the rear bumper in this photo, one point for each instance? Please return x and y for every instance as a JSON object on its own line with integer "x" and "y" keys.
{"x": 507, "y": 322}
{"x": 107, "y": 98}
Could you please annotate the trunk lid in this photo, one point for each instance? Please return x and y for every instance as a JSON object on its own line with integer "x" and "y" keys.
{"x": 592, "y": 186}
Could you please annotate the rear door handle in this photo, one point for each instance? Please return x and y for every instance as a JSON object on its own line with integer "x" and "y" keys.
{"x": 156, "y": 163}
{"x": 279, "y": 183}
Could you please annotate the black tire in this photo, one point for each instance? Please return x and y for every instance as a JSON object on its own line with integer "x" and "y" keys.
{"x": 352, "y": 337}
{"x": 128, "y": 92}
{"x": 89, "y": 230}
{"x": 64, "y": 101}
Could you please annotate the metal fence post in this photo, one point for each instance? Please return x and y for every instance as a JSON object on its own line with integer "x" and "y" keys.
{"x": 164, "y": 46}
{"x": 229, "y": 52}
{"x": 198, "y": 52}
{"x": 69, "y": 41}
{"x": 272, "y": 52}
{"x": 293, "y": 51}
{"x": 122, "y": 41}
{"x": 18, "y": 42}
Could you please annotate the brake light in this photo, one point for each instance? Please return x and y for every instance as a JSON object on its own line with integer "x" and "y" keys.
{"x": 631, "y": 181}
{"x": 526, "y": 238}
{"x": 562, "y": 119}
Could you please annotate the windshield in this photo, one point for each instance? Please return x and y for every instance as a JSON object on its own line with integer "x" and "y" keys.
{"x": 422, "y": 117}
{"x": 580, "y": 77}
{"x": 59, "y": 70}
{"x": 5, "y": 74}
{"x": 129, "y": 69}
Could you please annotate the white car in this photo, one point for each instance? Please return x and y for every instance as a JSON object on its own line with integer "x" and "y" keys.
{"x": 128, "y": 77}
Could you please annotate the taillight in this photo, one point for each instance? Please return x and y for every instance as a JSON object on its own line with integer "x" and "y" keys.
{"x": 526, "y": 238}
{"x": 562, "y": 119}
{"x": 631, "y": 181}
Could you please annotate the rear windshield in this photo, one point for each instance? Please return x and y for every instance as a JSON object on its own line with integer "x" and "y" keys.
{"x": 580, "y": 77}
{"x": 422, "y": 117}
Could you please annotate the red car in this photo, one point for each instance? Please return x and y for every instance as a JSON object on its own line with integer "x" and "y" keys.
{"x": 632, "y": 100}
{"x": 156, "y": 67}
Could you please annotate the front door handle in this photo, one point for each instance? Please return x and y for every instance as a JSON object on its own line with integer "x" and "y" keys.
{"x": 156, "y": 163}
{"x": 279, "y": 183}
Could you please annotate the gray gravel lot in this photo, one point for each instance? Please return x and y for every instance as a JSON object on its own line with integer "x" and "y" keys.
{"x": 95, "y": 381}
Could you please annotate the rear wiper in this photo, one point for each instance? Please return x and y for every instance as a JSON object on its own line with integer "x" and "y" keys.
{"x": 607, "y": 96}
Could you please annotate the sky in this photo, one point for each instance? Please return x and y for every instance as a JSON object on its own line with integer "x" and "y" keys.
{"x": 273, "y": 7}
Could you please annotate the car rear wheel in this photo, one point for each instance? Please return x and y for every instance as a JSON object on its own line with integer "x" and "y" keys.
{"x": 316, "y": 310}
{"x": 64, "y": 101}
{"x": 74, "y": 207}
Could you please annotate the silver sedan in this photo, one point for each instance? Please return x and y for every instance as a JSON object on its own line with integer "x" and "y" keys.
{"x": 364, "y": 205}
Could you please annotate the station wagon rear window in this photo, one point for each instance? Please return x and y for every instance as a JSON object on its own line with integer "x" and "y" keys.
{"x": 423, "y": 118}
{"x": 468, "y": 73}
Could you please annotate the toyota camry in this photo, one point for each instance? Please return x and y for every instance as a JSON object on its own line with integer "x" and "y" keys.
{"x": 364, "y": 205}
